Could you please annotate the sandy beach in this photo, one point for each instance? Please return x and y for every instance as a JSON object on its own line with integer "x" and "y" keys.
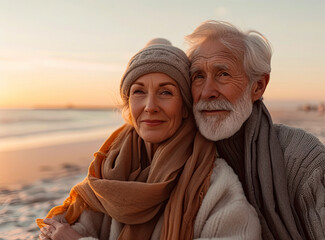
{"x": 28, "y": 165}
{"x": 34, "y": 180}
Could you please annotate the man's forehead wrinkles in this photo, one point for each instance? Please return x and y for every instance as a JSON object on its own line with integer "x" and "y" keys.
{"x": 212, "y": 55}
{"x": 212, "y": 61}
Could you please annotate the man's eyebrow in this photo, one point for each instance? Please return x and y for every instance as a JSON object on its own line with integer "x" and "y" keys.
{"x": 219, "y": 67}
{"x": 216, "y": 67}
{"x": 195, "y": 69}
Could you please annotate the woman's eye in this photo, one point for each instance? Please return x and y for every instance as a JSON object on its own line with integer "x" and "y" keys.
{"x": 166, "y": 92}
{"x": 137, "y": 92}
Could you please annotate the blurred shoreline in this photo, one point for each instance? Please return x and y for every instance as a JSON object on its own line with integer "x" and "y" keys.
{"x": 25, "y": 129}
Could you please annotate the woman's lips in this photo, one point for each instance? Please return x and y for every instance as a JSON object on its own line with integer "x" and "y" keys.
{"x": 152, "y": 123}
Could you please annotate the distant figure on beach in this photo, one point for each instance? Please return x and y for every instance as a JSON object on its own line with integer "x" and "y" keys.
{"x": 321, "y": 109}
{"x": 281, "y": 168}
{"x": 156, "y": 177}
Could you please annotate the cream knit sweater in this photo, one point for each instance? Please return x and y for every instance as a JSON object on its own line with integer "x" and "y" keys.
{"x": 224, "y": 214}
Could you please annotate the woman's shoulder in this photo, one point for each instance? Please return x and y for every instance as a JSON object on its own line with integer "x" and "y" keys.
{"x": 221, "y": 167}
{"x": 225, "y": 181}
{"x": 225, "y": 208}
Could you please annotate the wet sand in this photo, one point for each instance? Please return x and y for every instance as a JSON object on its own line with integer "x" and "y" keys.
{"x": 32, "y": 181}
{"x": 20, "y": 207}
{"x": 28, "y": 165}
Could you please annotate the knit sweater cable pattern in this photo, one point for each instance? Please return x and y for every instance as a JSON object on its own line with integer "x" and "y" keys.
{"x": 304, "y": 157}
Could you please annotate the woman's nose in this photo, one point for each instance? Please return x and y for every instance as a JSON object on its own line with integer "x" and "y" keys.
{"x": 151, "y": 104}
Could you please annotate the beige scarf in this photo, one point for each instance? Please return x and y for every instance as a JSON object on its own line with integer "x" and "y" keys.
{"x": 135, "y": 190}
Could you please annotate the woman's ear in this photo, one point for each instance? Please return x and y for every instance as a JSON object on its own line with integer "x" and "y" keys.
{"x": 259, "y": 87}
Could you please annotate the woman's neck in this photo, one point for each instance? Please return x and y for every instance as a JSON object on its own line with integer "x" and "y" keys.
{"x": 151, "y": 149}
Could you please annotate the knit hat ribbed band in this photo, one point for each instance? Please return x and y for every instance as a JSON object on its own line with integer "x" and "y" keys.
{"x": 166, "y": 59}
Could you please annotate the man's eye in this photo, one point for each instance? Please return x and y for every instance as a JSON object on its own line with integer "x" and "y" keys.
{"x": 224, "y": 74}
{"x": 197, "y": 76}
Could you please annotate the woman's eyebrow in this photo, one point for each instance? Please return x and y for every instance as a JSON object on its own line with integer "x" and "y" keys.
{"x": 138, "y": 83}
{"x": 167, "y": 83}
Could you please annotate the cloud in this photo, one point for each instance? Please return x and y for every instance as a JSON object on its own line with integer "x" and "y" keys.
{"x": 222, "y": 12}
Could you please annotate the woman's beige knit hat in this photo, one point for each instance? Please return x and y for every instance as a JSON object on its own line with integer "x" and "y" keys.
{"x": 159, "y": 56}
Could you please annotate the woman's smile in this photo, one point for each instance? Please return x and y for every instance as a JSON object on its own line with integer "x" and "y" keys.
{"x": 152, "y": 123}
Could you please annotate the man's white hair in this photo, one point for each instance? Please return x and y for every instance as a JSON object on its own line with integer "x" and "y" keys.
{"x": 251, "y": 47}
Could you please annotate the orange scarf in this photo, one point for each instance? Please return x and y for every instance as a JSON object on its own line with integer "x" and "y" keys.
{"x": 134, "y": 190}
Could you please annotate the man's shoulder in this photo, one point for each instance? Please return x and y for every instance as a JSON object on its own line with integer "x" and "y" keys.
{"x": 304, "y": 160}
{"x": 303, "y": 152}
{"x": 296, "y": 137}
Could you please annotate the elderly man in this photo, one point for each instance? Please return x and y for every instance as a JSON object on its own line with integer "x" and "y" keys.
{"x": 280, "y": 168}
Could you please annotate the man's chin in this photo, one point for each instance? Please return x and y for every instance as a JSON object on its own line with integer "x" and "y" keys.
{"x": 216, "y": 134}
{"x": 223, "y": 126}
{"x": 216, "y": 130}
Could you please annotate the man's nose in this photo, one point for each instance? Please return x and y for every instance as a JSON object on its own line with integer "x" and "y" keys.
{"x": 210, "y": 89}
{"x": 151, "y": 104}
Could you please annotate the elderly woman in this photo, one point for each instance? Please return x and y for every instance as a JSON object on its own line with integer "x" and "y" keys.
{"x": 155, "y": 177}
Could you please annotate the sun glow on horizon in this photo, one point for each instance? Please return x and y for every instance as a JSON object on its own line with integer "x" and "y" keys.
{"x": 74, "y": 53}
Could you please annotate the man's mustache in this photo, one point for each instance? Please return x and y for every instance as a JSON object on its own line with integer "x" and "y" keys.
{"x": 222, "y": 104}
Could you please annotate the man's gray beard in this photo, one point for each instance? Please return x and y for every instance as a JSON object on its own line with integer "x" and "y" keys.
{"x": 218, "y": 127}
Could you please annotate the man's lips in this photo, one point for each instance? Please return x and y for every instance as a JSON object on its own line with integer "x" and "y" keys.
{"x": 152, "y": 123}
{"x": 214, "y": 112}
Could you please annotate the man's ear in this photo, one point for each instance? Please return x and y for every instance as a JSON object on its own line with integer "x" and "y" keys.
{"x": 259, "y": 87}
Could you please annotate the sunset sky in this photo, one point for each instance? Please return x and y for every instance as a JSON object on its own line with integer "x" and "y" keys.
{"x": 74, "y": 52}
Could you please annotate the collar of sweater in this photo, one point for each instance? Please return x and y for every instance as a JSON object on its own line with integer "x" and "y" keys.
{"x": 232, "y": 150}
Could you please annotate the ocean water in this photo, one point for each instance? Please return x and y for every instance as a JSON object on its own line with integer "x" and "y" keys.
{"x": 21, "y": 129}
